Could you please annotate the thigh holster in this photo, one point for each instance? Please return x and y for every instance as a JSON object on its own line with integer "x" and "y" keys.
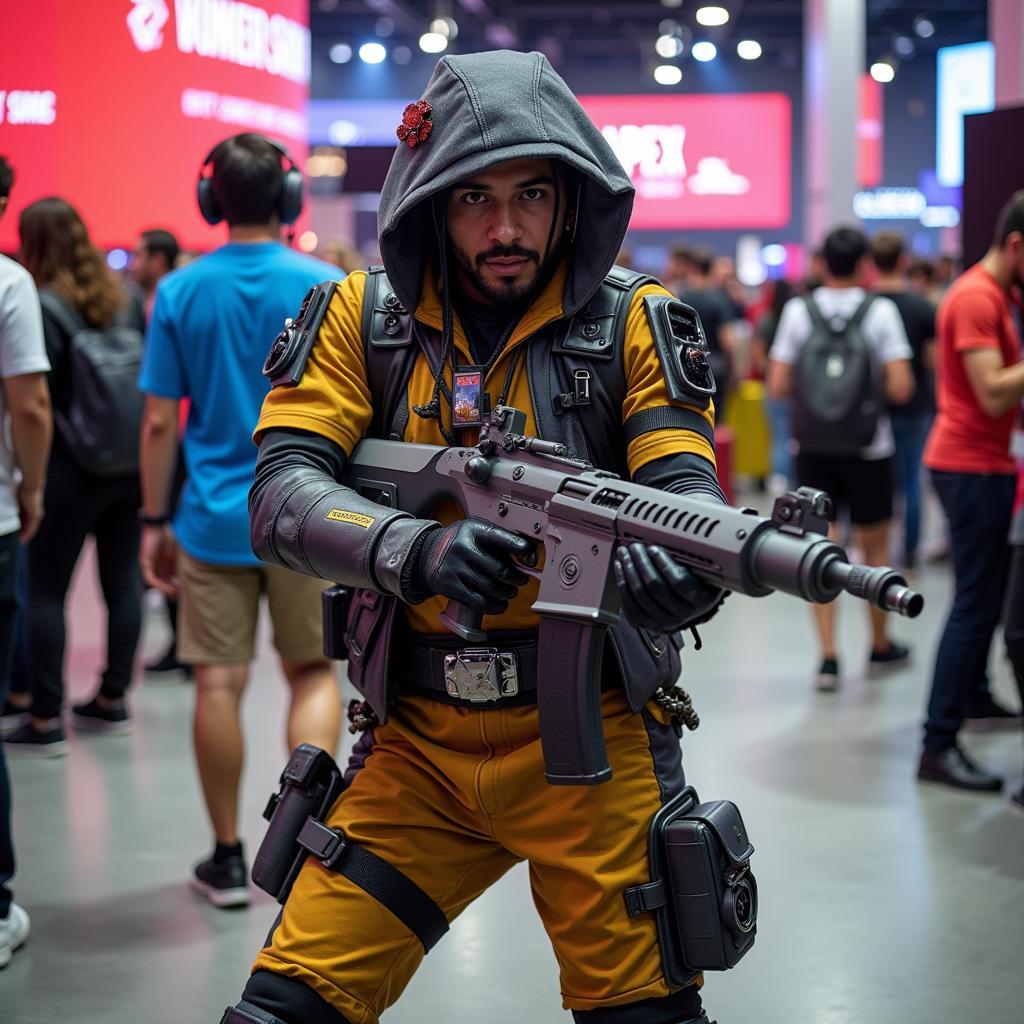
{"x": 310, "y": 785}
{"x": 702, "y": 892}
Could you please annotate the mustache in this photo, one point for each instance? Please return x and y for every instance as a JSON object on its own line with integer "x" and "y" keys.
{"x": 507, "y": 251}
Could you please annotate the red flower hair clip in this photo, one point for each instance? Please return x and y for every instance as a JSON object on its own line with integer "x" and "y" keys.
{"x": 417, "y": 124}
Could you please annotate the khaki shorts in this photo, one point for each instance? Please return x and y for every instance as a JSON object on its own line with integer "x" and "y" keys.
{"x": 219, "y": 609}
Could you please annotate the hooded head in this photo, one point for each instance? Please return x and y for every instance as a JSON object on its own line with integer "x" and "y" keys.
{"x": 488, "y": 109}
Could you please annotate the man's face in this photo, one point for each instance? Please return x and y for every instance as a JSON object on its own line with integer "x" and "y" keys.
{"x": 146, "y": 268}
{"x": 499, "y": 223}
{"x": 1014, "y": 249}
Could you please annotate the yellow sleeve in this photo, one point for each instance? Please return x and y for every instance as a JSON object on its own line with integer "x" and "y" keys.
{"x": 333, "y": 397}
{"x": 646, "y": 390}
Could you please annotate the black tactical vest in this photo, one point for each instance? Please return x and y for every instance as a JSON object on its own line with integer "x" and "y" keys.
{"x": 577, "y": 379}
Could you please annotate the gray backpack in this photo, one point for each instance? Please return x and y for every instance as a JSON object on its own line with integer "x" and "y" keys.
{"x": 100, "y": 425}
{"x": 837, "y": 385}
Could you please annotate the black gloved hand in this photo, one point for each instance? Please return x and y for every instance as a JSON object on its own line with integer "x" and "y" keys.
{"x": 659, "y": 595}
{"x": 471, "y": 561}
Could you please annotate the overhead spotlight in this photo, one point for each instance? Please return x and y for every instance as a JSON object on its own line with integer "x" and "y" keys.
{"x": 668, "y": 47}
{"x": 448, "y": 27}
{"x": 903, "y": 45}
{"x": 401, "y": 55}
{"x": 748, "y": 49}
{"x": 340, "y": 53}
{"x": 669, "y": 27}
{"x": 773, "y": 255}
{"x": 667, "y": 74}
{"x": 117, "y": 259}
{"x": 882, "y": 71}
{"x": 372, "y": 53}
{"x": 308, "y": 241}
{"x": 923, "y": 27}
{"x": 704, "y": 51}
{"x": 433, "y": 42}
{"x": 712, "y": 17}
{"x": 672, "y": 4}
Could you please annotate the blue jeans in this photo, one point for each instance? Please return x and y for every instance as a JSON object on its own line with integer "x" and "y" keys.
{"x": 979, "y": 507}
{"x": 9, "y": 605}
{"x": 778, "y": 417}
{"x": 910, "y": 431}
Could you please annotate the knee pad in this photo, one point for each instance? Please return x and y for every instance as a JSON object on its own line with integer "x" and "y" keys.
{"x": 246, "y": 1013}
{"x": 271, "y": 998}
{"x": 682, "y": 1007}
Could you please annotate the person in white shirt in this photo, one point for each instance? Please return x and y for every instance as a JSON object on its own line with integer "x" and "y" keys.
{"x": 24, "y": 452}
{"x": 861, "y": 483}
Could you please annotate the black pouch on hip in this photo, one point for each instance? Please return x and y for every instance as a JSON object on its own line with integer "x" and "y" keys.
{"x": 334, "y": 605}
{"x": 702, "y": 892}
{"x": 310, "y": 785}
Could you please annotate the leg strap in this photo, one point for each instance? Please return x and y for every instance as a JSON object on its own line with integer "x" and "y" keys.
{"x": 374, "y": 875}
{"x": 681, "y": 1007}
{"x": 246, "y": 1013}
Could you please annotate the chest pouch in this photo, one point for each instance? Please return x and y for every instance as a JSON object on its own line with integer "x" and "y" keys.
{"x": 702, "y": 891}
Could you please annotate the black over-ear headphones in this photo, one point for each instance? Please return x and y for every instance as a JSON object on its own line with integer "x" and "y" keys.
{"x": 289, "y": 205}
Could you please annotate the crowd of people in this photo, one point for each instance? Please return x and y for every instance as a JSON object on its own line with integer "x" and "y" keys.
{"x": 875, "y": 368}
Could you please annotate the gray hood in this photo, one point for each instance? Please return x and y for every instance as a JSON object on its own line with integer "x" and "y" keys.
{"x": 489, "y": 108}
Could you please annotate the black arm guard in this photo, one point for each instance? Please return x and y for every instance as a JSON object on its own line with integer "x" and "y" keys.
{"x": 683, "y": 473}
{"x": 302, "y": 518}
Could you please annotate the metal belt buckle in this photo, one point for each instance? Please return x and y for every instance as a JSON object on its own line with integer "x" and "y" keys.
{"x": 481, "y": 674}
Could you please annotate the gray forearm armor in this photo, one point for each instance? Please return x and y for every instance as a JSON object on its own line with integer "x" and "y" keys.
{"x": 302, "y": 518}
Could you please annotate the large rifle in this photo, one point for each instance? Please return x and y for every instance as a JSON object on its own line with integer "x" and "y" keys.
{"x": 579, "y": 515}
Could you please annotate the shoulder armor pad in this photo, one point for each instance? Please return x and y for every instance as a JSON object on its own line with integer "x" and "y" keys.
{"x": 286, "y": 362}
{"x": 598, "y": 329}
{"x": 682, "y": 349}
{"x": 386, "y": 322}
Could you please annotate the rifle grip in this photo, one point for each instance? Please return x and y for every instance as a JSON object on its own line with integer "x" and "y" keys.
{"x": 569, "y": 703}
{"x": 464, "y": 622}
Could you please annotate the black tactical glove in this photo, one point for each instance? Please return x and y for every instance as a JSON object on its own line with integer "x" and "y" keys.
{"x": 471, "y": 561}
{"x": 659, "y": 595}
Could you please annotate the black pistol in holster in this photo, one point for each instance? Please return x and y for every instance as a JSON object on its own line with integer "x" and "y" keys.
{"x": 702, "y": 892}
{"x": 310, "y": 784}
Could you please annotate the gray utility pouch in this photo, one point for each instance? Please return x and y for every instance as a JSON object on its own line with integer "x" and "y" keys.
{"x": 310, "y": 784}
{"x": 701, "y": 892}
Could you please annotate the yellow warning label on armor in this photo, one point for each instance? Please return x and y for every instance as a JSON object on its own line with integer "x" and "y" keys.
{"x": 338, "y": 515}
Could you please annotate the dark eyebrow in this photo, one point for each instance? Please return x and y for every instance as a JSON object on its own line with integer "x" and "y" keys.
{"x": 478, "y": 186}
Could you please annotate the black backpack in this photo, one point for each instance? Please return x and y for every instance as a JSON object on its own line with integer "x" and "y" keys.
{"x": 837, "y": 385}
{"x": 100, "y": 425}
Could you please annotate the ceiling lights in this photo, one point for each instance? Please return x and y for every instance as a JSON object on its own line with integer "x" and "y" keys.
{"x": 667, "y": 74}
{"x": 704, "y": 51}
{"x": 668, "y": 47}
{"x": 748, "y": 49}
{"x": 712, "y": 17}
{"x": 340, "y": 53}
{"x": 433, "y": 42}
{"x": 882, "y": 71}
{"x": 372, "y": 53}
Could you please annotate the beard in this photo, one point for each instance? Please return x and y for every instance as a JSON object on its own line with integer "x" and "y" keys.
{"x": 508, "y": 292}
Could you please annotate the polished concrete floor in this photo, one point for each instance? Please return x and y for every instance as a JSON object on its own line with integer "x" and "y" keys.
{"x": 881, "y": 899}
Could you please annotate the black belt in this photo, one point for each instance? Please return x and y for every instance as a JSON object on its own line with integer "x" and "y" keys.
{"x": 502, "y": 671}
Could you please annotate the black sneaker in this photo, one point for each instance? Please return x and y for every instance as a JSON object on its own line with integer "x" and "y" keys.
{"x": 12, "y": 715}
{"x": 28, "y": 741}
{"x": 990, "y": 716}
{"x": 894, "y": 656}
{"x": 827, "y": 680}
{"x": 225, "y": 884}
{"x": 91, "y": 715}
{"x": 167, "y": 664}
{"x": 953, "y": 767}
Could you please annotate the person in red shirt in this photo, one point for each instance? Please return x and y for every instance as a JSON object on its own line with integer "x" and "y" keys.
{"x": 980, "y": 385}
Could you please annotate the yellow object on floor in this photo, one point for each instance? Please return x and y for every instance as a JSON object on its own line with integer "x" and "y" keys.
{"x": 752, "y": 445}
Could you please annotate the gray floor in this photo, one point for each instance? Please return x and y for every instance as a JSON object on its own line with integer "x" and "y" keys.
{"x": 881, "y": 900}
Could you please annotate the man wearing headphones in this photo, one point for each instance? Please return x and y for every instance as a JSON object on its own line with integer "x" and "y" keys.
{"x": 207, "y": 338}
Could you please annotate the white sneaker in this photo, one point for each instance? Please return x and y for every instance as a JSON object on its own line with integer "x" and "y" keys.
{"x": 14, "y": 931}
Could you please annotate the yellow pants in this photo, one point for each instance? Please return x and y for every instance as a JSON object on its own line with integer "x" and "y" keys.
{"x": 453, "y": 798}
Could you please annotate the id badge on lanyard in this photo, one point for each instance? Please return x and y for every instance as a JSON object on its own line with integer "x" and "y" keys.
{"x": 468, "y": 397}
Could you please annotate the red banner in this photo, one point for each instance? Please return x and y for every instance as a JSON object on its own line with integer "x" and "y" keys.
{"x": 112, "y": 104}
{"x": 708, "y": 161}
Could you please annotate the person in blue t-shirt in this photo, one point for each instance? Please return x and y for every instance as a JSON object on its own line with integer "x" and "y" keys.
{"x": 213, "y": 322}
